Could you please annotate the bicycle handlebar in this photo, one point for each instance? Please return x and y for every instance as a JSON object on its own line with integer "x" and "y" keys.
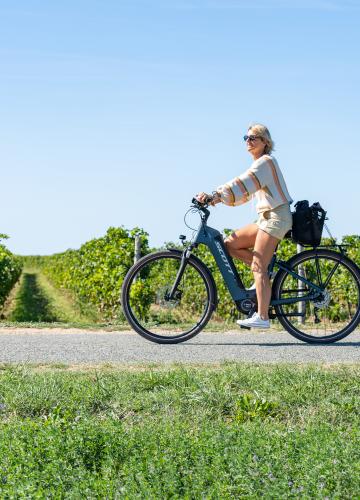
{"x": 200, "y": 205}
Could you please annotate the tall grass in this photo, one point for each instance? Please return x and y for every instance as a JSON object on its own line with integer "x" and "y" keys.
{"x": 237, "y": 430}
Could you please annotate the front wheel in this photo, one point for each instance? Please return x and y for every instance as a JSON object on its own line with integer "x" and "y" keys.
{"x": 150, "y": 311}
{"x": 330, "y": 315}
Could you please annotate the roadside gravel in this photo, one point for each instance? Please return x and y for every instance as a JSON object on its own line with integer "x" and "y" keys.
{"x": 78, "y": 346}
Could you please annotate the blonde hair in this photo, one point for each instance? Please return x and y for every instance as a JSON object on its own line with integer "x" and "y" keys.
{"x": 263, "y": 132}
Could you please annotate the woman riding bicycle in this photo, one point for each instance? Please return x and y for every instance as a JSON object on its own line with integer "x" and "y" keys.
{"x": 255, "y": 244}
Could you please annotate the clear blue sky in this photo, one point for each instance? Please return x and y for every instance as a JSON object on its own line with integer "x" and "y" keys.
{"x": 116, "y": 112}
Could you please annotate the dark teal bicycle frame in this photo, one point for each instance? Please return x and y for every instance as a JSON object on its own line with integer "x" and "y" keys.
{"x": 213, "y": 239}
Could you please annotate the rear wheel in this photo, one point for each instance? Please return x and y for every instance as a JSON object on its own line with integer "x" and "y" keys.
{"x": 332, "y": 314}
{"x": 145, "y": 297}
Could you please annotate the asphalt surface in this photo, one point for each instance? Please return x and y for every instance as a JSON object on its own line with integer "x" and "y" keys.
{"x": 78, "y": 346}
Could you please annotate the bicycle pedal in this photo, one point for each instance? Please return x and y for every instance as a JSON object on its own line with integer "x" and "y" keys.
{"x": 245, "y": 327}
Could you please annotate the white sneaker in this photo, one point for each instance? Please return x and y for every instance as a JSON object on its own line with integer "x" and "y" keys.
{"x": 254, "y": 322}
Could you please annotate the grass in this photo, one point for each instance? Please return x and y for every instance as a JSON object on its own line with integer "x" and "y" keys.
{"x": 31, "y": 303}
{"x": 231, "y": 431}
{"x": 119, "y": 326}
{"x": 65, "y": 306}
{"x": 34, "y": 301}
{"x": 107, "y": 326}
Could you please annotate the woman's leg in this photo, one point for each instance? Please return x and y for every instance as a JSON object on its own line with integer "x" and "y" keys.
{"x": 264, "y": 248}
{"x": 240, "y": 243}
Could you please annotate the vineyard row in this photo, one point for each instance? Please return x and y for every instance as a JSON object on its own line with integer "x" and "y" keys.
{"x": 94, "y": 273}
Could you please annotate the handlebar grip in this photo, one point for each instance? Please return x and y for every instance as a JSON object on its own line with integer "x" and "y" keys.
{"x": 208, "y": 200}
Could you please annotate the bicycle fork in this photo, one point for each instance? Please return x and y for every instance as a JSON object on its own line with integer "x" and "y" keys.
{"x": 174, "y": 293}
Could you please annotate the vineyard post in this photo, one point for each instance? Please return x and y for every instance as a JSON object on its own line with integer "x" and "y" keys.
{"x": 301, "y": 305}
{"x": 137, "y": 249}
{"x": 137, "y": 252}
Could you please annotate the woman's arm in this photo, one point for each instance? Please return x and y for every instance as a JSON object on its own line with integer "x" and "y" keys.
{"x": 240, "y": 189}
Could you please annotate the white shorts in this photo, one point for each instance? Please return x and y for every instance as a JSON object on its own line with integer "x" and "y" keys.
{"x": 276, "y": 222}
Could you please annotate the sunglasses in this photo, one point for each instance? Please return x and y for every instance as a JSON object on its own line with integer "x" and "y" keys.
{"x": 251, "y": 138}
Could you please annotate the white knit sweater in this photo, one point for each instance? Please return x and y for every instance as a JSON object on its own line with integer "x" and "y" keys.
{"x": 263, "y": 180}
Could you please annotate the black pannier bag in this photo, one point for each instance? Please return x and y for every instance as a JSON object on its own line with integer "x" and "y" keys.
{"x": 308, "y": 223}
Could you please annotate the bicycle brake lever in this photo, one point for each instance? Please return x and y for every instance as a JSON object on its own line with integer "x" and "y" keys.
{"x": 198, "y": 203}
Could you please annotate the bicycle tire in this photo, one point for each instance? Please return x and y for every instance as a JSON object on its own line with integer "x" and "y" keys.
{"x": 332, "y": 303}
{"x": 155, "y": 270}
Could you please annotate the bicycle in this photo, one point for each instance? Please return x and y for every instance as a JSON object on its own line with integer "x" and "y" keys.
{"x": 170, "y": 295}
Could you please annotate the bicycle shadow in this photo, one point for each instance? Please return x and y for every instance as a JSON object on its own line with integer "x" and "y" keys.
{"x": 275, "y": 344}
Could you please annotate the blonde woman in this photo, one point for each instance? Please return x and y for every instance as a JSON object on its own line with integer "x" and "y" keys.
{"x": 254, "y": 244}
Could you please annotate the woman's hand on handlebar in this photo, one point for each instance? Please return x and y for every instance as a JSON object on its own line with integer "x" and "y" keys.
{"x": 203, "y": 197}
{"x": 211, "y": 199}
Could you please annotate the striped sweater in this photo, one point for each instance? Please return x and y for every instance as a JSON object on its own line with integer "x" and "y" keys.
{"x": 263, "y": 180}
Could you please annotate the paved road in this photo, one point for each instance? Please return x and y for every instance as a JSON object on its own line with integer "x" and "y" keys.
{"x": 77, "y": 346}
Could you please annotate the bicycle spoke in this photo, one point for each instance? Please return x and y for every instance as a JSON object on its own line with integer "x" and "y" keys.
{"x": 318, "y": 272}
{"x": 327, "y": 281}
